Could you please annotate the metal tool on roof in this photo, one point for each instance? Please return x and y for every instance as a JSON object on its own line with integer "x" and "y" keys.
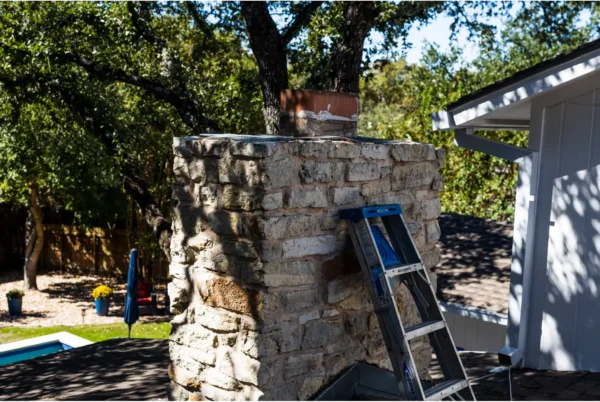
{"x": 381, "y": 262}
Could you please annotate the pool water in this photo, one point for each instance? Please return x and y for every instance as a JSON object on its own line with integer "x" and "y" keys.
{"x": 30, "y": 352}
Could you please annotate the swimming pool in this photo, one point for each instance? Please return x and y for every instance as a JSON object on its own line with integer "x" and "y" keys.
{"x": 35, "y": 347}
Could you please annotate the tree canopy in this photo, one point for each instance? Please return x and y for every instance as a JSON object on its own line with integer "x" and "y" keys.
{"x": 92, "y": 93}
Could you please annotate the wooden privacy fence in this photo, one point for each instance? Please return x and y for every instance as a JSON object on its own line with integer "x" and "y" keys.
{"x": 96, "y": 251}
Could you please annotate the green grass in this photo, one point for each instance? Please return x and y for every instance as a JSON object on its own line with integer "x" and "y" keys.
{"x": 94, "y": 333}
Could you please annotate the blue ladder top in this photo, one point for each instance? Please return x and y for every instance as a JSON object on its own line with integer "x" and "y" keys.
{"x": 373, "y": 211}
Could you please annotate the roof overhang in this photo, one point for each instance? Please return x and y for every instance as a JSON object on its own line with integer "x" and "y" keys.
{"x": 507, "y": 104}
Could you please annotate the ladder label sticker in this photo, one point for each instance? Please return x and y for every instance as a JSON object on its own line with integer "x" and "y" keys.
{"x": 411, "y": 385}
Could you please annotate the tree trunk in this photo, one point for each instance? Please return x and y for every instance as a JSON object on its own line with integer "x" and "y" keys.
{"x": 270, "y": 52}
{"x": 34, "y": 240}
{"x": 348, "y": 51}
{"x": 161, "y": 227}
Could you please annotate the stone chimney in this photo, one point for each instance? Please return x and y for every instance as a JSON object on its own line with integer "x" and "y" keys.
{"x": 269, "y": 298}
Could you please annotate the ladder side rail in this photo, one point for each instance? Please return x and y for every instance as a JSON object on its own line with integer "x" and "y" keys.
{"x": 391, "y": 329}
{"x": 397, "y": 327}
{"x": 440, "y": 340}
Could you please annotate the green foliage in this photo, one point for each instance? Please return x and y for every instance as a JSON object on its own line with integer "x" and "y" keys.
{"x": 15, "y": 294}
{"x": 398, "y": 99}
{"x": 73, "y": 134}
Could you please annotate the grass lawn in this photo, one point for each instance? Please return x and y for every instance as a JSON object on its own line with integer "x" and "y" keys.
{"x": 94, "y": 333}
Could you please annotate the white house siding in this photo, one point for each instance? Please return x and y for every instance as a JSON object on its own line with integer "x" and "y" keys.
{"x": 564, "y": 311}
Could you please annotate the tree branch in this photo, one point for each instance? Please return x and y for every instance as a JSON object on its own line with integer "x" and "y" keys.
{"x": 86, "y": 113}
{"x": 185, "y": 106}
{"x": 302, "y": 19}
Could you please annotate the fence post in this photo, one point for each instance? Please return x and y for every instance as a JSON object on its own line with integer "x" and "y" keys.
{"x": 62, "y": 250}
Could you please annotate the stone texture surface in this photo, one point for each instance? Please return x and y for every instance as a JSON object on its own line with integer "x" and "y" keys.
{"x": 270, "y": 299}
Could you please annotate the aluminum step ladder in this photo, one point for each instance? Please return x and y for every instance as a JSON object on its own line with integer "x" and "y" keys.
{"x": 381, "y": 263}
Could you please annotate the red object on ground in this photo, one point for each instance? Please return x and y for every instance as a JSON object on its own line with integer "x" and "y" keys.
{"x": 143, "y": 294}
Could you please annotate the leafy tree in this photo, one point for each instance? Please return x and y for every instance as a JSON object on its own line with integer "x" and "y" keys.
{"x": 399, "y": 98}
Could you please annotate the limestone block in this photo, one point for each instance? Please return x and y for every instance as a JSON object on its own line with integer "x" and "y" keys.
{"x": 217, "y": 320}
{"x": 290, "y": 273}
{"x": 310, "y": 386}
{"x": 179, "y": 271}
{"x": 180, "y": 167}
{"x": 346, "y": 195}
{"x": 311, "y": 149}
{"x": 282, "y": 173}
{"x": 308, "y": 198}
{"x": 206, "y": 195}
{"x": 356, "y": 322}
{"x": 210, "y": 146}
{"x": 279, "y": 338}
{"x": 182, "y": 147}
{"x": 376, "y": 187}
{"x": 282, "y": 227}
{"x": 176, "y": 392}
{"x": 312, "y": 315}
{"x": 270, "y": 250}
{"x": 204, "y": 171}
{"x": 240, "y": 248}
{"x": 253, "y": 149}
{"x": 344, "y": 287}
{"x": 431, "y": 257}
{"x": 241, "y": 172}
{"x": 413, "y": 152}
{"x": 344, "y": 151}
{"x": 438, "y": 183}
{"x": 237, "y": 197}
{"x": 405, "y": 176}
{"x": 318, "y": 333}
{"x": 301, "y": 364}
{"x": 433, "y": 231}
{"x": 339, "y": 361}
{"x": 385, "y": 171}
{"x": 287, "y": 392}
{"x": 178, "y": 295}
{"x": 305, "y": 246}
{"x": 362, "y": 171}
{"x": 194, "y": 353}
{"x": 237, "y": 365}
{"x": 272, "y": 201}
{"x": 183, "y": 376}
{"x": 183, "y": 191}
{"x": 320, "y": 172}
{"x": 440, "y": 155}
{"x": 427, "y": 209}
{"x": 213, "y": 376}
{"x": 299, "y": 299}
{"x": 228, "y": 294}
{"x": 374, "y": 151}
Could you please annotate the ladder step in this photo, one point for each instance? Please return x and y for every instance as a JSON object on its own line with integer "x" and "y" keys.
{"x": 424, "y": 328}
{"x": 395, "y": 270}
{"x": 444, "y": 389}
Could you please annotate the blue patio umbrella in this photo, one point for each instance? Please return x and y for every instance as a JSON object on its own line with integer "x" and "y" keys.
{"x": 132, "y": 313}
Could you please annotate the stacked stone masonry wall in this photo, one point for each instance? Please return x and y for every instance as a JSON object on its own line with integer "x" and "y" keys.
{"x": 270, "y": 299}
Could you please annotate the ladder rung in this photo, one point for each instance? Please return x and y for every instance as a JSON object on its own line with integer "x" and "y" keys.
{"x": 396, "y": 270}
{"x": 444, "y": 389}
{"x": 424, "y": 328}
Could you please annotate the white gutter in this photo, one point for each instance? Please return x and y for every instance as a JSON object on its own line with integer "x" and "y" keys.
{"x": 476, "y": 313}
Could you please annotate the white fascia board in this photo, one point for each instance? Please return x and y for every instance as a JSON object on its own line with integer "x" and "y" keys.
{"x": 475, "y": 313}
{"x": 527, "y": 88}
{"x": 62, "y": 337}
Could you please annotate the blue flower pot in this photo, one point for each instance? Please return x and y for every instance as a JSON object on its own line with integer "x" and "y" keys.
{"x": 102, "y": 306}
{"x": 15, "y": 307}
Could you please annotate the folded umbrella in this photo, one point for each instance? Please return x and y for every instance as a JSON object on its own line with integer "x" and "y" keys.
{"x": 132, "y": 312}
